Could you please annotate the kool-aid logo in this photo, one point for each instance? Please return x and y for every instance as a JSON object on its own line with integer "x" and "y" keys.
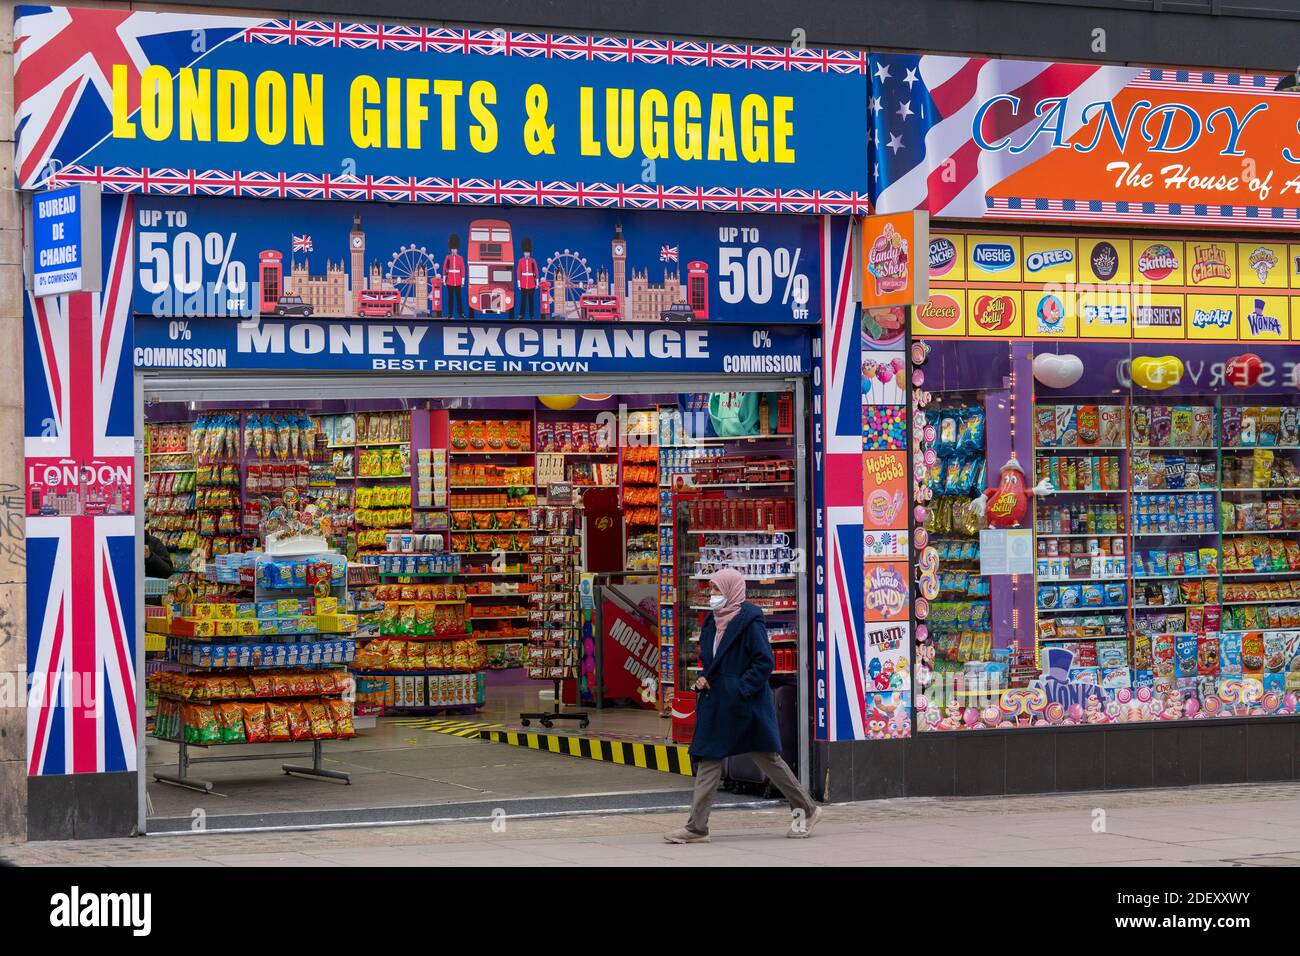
{"x": 994, "y": 256}
{"x": 1051, "y": 313}
{"x": 943, "y": 256}
{"x": 994, "y": 312}
{"x": 1157, "y": 262}
{"x": 1104, "y": 261}
{"x": 1212, "y": 318}
{"x": 941, "y": 312}
{"x": 1036, "y": 261}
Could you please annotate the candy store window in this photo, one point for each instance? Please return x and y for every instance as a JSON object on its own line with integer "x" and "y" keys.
{"x": 1159, "y": 489}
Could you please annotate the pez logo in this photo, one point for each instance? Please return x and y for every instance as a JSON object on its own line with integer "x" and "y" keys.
{"x": 943, "y": 256}
{"x": 994, "y": 256}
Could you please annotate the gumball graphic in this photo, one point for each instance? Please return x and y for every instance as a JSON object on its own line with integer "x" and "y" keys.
{"x": 1076, "y": 713}
{"x": 970, "y": 716}
{"x": 1192, "y": 707}
{"x": 920, "y": 352}
{"x": 920, "y": 514}
{"x": 921, "y": 538}
{"x": 921, "y": 608}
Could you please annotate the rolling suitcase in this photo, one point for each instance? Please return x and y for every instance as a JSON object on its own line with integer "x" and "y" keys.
{"x": 741, "y": 775}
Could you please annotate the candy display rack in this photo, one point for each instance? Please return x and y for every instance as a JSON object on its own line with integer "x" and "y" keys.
{"x": 259, "y": 636}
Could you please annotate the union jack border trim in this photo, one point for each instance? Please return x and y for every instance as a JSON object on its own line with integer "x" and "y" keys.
{"x": 412, "y": 39}
{"x": 1096, "y": 210}
{"x": 518, "y": 192}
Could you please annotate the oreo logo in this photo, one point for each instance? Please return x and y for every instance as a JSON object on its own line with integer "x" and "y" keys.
{"x": 1037, "y": 261}
{"x": 1104, "y": 261}
{"x": 994, "y": 256}
{"x": 943, "y": 256}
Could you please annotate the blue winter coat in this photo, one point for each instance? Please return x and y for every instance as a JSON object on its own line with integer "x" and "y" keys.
{"x": 736, "y": 715}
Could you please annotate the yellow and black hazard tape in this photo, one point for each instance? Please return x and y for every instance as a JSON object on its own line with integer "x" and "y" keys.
{"x": 666, "y": 758}
{"x": 445, "y": 725}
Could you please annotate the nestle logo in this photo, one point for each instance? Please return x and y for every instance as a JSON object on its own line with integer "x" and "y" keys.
{"x": 1159, "y": 316}
{"x": 994, "y": 256}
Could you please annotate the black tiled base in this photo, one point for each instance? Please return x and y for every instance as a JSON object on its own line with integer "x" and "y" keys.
{"x": 1124, "y": 757}
{"x": 83, "y": 806}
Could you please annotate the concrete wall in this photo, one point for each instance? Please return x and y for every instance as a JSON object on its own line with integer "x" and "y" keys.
{"x": 13, "y": 564}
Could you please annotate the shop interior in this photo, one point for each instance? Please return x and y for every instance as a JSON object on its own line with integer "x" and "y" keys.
{"x": 369, "y": 583}
{"x": 1161, "y": 487}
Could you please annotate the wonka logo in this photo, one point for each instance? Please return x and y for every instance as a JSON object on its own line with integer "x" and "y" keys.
{"x": 74, "y": 909}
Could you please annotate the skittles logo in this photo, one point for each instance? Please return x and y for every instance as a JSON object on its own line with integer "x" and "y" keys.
{"x": 1157, "y": 262}
{"x": 940, "y": 313}
{"x": 993, "y": 313}
{"x": 943, "y": 256}
{"x": 1051, "y": 314}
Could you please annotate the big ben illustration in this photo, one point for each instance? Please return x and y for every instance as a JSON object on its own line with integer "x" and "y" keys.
{"x": 357, "y": 249}
{"x": 619, "y": 249}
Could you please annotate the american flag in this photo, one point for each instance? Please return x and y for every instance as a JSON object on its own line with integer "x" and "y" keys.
{"x": 667, "y": 253}
{"x": 302, "y": 244}
{"x": 922, "y": 151}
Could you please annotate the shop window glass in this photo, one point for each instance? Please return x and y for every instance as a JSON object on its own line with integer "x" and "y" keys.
{"x": 1159, "y": 493}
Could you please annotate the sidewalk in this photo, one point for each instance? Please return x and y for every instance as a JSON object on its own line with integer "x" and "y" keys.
{"x": 1255, "y": 825}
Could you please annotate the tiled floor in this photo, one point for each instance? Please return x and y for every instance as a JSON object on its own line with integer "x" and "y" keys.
{"x": 1209, "y": 826}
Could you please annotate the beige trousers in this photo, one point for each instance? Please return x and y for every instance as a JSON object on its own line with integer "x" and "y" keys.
{"x": 708, "y": 774}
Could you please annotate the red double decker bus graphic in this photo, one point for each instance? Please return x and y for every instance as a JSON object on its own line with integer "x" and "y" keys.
{"x": 491, "y": 265}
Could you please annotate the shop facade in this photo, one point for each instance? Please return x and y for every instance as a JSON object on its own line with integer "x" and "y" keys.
{"x": 1101, "y": 388}
{"x": 666, "y": 221}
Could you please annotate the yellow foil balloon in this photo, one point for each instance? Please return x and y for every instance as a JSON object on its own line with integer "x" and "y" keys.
{"x": 1157, "y": 372}
{"x": 559, "y": 403}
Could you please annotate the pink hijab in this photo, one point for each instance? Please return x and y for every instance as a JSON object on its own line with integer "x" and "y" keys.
{"x": 732, "y": 585}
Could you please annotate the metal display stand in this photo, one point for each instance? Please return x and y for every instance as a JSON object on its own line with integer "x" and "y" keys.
{"x": 548, "y": 718}
{"x": 183, "y": 778}
{"x": 299, "y": 547}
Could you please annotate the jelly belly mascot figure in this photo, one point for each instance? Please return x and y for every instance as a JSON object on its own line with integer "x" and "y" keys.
{"x": 453, "y": 280}
{"x": 526, "y": 275}
{"x": 1005, "y": 506}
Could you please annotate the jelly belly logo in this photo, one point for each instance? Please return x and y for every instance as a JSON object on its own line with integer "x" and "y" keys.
{"x": 992, "y": 313}
{"x": 1051, "y": 314}
{"x": 1211, "y": 263}
{"x": 939, "y": 314}
{"x": 1158, "y": 317}
{"x": 1157, "y": 262}
{"x": 886, "y": 592}
{"x": 1211, "y": 318}
{"x": 943, "y": 256}
{"x": 1261, "y": 324}
{"x": 887, "y": 261}
{"x": 994, "y": 256}
{"x": 1104, "y": 261}
{"x": 1263, "y": 260}
{"x": 1037, "y": 261}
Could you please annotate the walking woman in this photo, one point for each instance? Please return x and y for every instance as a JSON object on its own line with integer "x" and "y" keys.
{"x": 735, "y": 713}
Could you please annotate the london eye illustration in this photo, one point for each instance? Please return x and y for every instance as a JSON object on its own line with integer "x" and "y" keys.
{"x": 569, "y": 278}
{"x": 409, "y": 270}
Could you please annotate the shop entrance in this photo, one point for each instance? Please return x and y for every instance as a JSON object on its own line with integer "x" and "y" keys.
{"x": 378, "y": 583}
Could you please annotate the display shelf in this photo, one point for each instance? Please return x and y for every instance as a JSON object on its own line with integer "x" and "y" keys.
{"x": 1088, "y": 491}
{"x": 761, "y": 577}
{"x": 1255, "y": 574}
{"x": 481, "y": 487}
{"x": 400, "y": 603}
{"x": 483, "y": 454}
{"x": 1174, "y": 491}
{"x": 1080, "y": 449}
{"x": 1257, "y": 490}
{"x": 1291, "y": 600}
{"x": 1171, "y": 577}
{"x": 1175, "y": 448}
{"x": 1262, "y": 531}
{"x": 1174, "y": 607}
{"x": 497, "y": 617}
{"x": 405, "y": 477}
{"x": 746, "y": 484}
{"x": 1261, "y": 448}
{"x": 1085, "y": 534}
{"x": 419, "y": 672}
{"x": 1109, "y": 609}
{"x": 485, "y": 554}
{"x": 729, "y": 531}
{"x": 1171, "y": 534}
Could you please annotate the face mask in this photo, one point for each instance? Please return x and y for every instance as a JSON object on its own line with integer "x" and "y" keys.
{"x": 716, "y": 601}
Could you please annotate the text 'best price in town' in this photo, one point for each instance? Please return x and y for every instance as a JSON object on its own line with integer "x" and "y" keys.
{"x": 227, "y": 106}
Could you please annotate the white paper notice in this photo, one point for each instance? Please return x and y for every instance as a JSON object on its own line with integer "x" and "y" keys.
{"x": 1006, "y": 551}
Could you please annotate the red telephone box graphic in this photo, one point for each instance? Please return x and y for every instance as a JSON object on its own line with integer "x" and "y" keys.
{"x": 270, "y": 274}
{"x": 697, "y": 289}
